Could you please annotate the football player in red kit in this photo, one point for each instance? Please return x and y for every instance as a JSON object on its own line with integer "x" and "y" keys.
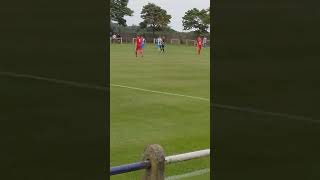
{"x": 199, "y": 44}
{"x": 138, "y": 45}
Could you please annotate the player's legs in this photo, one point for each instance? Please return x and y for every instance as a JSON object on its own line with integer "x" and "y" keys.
{"x": 162, "y": 47}
{"x": 137, "y": 51}
{"x": 199, "y": 49}
{"x": 142, "y": 50}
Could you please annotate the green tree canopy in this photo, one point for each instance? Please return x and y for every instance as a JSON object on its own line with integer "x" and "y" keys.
{"x": 154, "y": 17}
{"x": 119, "y": 9}
{"x": 197, "y": 19}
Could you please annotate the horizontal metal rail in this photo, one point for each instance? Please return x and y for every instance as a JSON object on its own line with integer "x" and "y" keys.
{"x": 187, "y": 156}
{"x": 129, "y": 167}
{"x": 168, "y": 160}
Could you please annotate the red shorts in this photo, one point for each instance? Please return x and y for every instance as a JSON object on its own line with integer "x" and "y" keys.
{"x": 138, "y": 48}
{"x": 199, "y": 47}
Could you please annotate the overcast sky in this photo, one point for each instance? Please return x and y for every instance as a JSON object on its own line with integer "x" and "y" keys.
{"x": 176, "y": 8}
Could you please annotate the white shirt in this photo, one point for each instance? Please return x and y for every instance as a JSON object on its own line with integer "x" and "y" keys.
{"x": 204, "y": 40}
{"x": 159, "y": 41}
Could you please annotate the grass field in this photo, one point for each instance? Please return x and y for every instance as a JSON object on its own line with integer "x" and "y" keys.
{"x": 138, "y": 118}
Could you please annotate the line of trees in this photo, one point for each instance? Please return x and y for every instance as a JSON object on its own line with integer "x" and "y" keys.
{"x": 119, "y": 9}
{"x": 197, "y": 19}
{"x": 154, "y": 18}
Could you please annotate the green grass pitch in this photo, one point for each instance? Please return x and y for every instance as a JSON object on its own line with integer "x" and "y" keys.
{"x": 138, "y": 118}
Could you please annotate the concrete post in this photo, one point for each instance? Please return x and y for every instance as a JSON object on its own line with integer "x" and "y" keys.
{"x": 155, "y": 154}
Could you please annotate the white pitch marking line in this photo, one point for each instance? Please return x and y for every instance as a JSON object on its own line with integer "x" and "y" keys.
{"x": 228, "y": 107}
{"x": 160, "y": 92}
{"x": 57, "y": 81}
{"x": 101, "y": 88}
{"x": 191, "y": 174}
{"x": 257, "y": 111}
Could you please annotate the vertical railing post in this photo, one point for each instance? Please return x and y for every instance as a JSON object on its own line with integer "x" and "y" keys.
{"x": 155, "y": 154}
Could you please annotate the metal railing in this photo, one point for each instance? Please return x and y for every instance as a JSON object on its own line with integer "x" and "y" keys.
{"x": 154, "y": 161}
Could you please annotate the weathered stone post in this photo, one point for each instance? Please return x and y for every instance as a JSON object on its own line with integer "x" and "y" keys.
{"x": 155, "y": 154}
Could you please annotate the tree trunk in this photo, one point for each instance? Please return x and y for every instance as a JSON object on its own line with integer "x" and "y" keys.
{"x": 153, "y": 31}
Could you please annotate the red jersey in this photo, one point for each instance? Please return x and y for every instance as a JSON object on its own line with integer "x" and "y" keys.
{"x": 199, "y": 42}
{"x": 139, "y": 42}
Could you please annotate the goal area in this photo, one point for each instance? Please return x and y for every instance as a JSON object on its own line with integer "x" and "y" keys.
{"x": 175, "y": 41}
{"x": 190, "y": 42}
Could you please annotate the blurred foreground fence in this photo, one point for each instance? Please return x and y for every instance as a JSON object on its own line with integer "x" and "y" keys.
{"x": 154, "y": 162}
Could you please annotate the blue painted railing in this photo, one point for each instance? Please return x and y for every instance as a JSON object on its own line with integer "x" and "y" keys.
{"x": 129, "y": 167}
{"x": 168, "y": 160}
